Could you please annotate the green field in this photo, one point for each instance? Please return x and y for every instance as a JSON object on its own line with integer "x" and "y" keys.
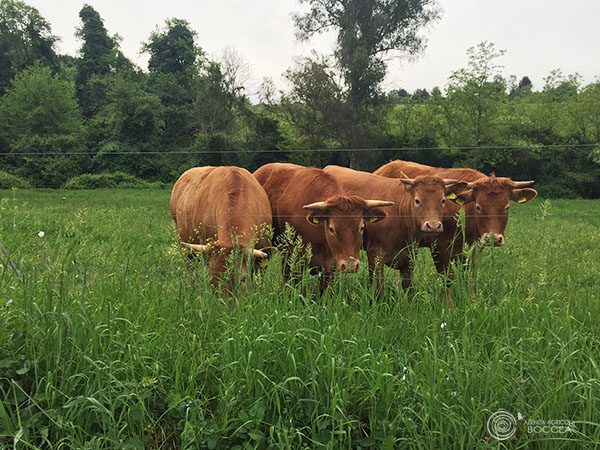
{"x": 109, "y": 342}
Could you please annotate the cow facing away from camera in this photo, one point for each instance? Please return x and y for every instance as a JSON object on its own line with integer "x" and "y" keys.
{"x": 486, "y": 201}
{"x": 321, "y": 212}
{"x": 217, "y": 210}
{"x": 417, "y": 212}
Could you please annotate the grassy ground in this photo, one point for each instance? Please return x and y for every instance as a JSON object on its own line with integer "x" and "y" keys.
{"x": 105, "y": 343}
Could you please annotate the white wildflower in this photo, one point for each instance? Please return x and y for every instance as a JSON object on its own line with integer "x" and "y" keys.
{"x": 41, "y": 234}
{"x": 443, "y": 325}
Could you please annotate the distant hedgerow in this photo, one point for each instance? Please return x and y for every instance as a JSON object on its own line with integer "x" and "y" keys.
{"x": 9, "y": 181}
{"x": 109, "y": 180}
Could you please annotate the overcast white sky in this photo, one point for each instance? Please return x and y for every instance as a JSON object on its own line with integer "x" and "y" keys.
{"x": 538, "y": 35}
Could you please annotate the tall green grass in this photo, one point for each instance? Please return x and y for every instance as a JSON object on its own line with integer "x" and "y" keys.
{"x": 108, "y": 341}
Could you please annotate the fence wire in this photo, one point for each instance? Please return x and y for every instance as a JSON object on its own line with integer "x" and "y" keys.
{"x": 276, "y": 216}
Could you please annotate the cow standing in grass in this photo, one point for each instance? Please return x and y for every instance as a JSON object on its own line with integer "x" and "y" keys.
{"x": 218, "y": 209}
{"x": 486, "y": 201}
{"x": 321, "y": 212}
{"x": 417, "y": 212}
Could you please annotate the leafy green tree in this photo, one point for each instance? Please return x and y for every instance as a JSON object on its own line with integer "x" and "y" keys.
{"x": 474, "y": 96}
{"x": 174, "y": 66}
{"x": 100, "y": 59}
{"x": 367, "y": 31}
{"x": 25, "y": 37}
{"x": 41, "y": 126}
{"x": 131, "y": 124}
{"x": 317, "y": 109}
{"x": 591, "y": 108}
{"x": 173, "y": 50}
{"x": 214, "y": 105}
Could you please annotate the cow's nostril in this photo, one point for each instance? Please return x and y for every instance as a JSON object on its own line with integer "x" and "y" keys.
{"x": 353, "y": 265}
{"x": 343, "y": 267}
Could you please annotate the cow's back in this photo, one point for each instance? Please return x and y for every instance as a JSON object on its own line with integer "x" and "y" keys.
{"x": 410, "y": 169}
{"x": 290, "y": 186}
{"x": 219, "y": 202}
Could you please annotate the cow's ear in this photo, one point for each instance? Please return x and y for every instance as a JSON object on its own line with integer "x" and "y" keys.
{"x": 315, "y": 217}
{"x": 462, "y": 198}
{"x": 523, "y": 195}
{"x": 373, "y": 215}
{"x": 454, "y": 189}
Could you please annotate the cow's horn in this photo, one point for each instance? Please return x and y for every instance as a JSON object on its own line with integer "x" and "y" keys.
{"x": 377, "y": 203}
{"x": 407, "y": 181}
{"x": 316, "y": 205}
{"x": 258, "y": 254}
{"x": 197, "y": 247}
{"x": 522, "y": 184}
{"x": 449, "y": 181}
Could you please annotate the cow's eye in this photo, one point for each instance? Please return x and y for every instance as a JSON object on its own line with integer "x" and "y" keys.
{"x": 478, "y": 208}
{"x": 506, "y": 208}
{"x": 331, "y": 229}
{"x": 362, "y": 228}
{"x": 417, "y": 202}
{"x": 443, "y": 201}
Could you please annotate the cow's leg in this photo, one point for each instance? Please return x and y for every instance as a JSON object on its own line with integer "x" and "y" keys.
{"x": 442, "y": 264}
{"x": 376, "y": 264}
{"x": 476, "y": 252}
{"x": 405, "y": 278}
{"x": 324, "y": 280}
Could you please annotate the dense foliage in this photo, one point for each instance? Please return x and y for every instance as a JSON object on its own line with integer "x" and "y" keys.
{"x": 63, "y": 116}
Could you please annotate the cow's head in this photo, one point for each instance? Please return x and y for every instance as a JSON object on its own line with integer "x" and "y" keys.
{"x": 491, "y": 198}
{"x": 342, "y": 219}
{"x": 221, "y": 259}
{"x": 429, "y": 195}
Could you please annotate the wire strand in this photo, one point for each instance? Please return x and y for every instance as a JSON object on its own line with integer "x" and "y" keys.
{"x": 291, "y": 216}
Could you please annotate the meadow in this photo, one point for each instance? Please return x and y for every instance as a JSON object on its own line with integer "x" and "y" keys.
{"x": 108, "y": 341}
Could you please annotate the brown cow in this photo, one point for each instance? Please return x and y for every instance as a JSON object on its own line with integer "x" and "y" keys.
{"x": 419, "y": 205}
{"x": 315, "y": 204}
{"x": 486, "y": 203}
{"x": 216, "y": 209}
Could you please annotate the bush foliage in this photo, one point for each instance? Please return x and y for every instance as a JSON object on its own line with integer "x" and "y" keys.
{"x": 9, "y": 181}
{"x": 109, "y": 180}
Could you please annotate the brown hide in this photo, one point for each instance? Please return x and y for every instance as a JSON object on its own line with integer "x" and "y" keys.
{"x": 417, "y": 211}
{"x": 223, "y": 205}
{"x": 335, "y": 233}
{"x": 486, "y": 206}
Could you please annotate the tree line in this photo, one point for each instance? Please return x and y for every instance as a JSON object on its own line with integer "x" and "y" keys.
{"x": 63, "y": 116}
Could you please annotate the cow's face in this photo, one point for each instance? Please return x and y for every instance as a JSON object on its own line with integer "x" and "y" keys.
{"x": 226, "y": 265}
{"x": 342, "y": 220}
{"x": 429, "y": 195}
{"x": 491, "y": 197}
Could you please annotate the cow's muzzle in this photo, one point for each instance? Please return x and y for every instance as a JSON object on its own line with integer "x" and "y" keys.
{"x": 432, "y": 227}
{"x": 498, "y": 239}
{"x": 350, "y": 265}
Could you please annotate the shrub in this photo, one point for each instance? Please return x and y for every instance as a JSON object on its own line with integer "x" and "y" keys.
{"x": 9, "y": 181}
{"x": 109, "y": 180}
